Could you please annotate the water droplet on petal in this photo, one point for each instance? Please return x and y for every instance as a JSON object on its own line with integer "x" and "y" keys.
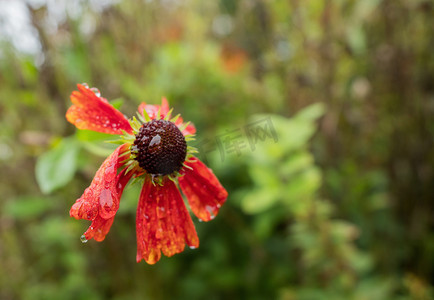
{"x": 85, "y": 85}
{"x": 83, "y": 239}
{"x": 105, "y": 198}
{"x": 210, "y": 209}
{"x": 109, "y": 170}
{"x": 192, "y": 247}
{"x": 96, "y": 91}
{"x": 159, "y": 233}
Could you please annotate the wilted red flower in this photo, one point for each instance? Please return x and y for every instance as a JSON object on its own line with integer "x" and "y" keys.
{"x": 153, "y": 148}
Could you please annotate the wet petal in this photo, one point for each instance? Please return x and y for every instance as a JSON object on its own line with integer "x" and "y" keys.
{"x": 100, "y": 226}
{"x": 152, "y": 109}
{"x": 204, "y": 192}
{"x": 101, "y": 197}
{"x": 95, "y": 113}
{"x": 163, "y": 222}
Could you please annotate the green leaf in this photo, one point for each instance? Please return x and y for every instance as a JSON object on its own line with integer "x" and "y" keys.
{"x": 259, "y": 200}
{"x": 57, "y": 167}
{"x": 311, "y": 112}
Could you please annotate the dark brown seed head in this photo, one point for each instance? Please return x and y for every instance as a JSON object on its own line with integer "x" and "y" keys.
{"x": 160, "y": 147}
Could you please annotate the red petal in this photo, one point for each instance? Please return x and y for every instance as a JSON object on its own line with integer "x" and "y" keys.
{"x": 190, "y": 129}
{"x": 95, "y": 113}
{"x": 101, "y": 197}
{"x": 99, "y": 229}
{"x": 164, "y": 106}
{"x": 203, "y": 190}
{"x": 100, "y": 226}
{"x": 163, "y": 223}
{"x": 152, "y": 109}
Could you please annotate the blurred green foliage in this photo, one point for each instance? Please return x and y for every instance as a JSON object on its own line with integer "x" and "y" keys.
{"x": 339, "y": 206}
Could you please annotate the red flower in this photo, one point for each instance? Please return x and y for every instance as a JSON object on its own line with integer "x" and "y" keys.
{"x": 153, "y": 149}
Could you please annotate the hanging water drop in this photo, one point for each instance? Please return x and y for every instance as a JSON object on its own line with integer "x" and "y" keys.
{"x": 83, "y": 239}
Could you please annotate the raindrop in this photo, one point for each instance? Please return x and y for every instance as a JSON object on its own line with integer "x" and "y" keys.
{"x": 192, "y": 247}
{"x": 85, "y": 85}
{"x": 210, "y": 209}
{"x": 155, "y": 140}
{"x": 96, "y": 91}
{"x": 109, "y": 170}
{"x": 83, "y": 239}
{"x": 105, "y": 198}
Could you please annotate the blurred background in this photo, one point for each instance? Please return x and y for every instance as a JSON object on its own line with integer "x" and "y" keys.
{"x": 317, "y": 116}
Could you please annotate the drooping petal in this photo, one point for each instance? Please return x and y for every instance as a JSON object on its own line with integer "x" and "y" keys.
{"x": 95, "y": 113}
{"x": 204, "y": 192}
{"x": 101, "y": 197}
{"x": 163, "y": 222}
{"x": 100, "y": 226}
{"x": 99, "y": 229}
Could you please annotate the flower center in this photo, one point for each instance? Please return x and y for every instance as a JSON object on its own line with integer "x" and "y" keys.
{"x": 160, "y": 147}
